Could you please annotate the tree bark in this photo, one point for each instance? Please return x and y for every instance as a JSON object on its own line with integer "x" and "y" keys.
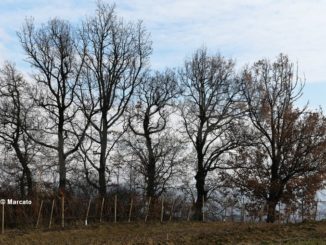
{"x": 151, "y": 168}
{"x": 104, "y": 144}
{"x": 275, "y": 192}
{"x": 22, "y": 186}
{"x": 29, "y": 181}
{"x": 22, "y": 158}
{"x": 271, "y": 211}
{"x": 150, "y": 189}
{"x": 200, "y": 187}
{"x": 61, "y": 156}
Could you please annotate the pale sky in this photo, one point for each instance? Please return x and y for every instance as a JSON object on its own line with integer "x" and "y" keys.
{"x": 245, "y": 30}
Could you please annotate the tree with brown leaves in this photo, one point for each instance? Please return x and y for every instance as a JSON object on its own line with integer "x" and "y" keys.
{"x": 289, "y": 142}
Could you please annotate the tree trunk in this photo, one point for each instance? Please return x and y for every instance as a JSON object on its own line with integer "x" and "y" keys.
{"x": 200, "y": 186}
{"x": 274, "y": 188}
{"x": 29, "y": 181}
{"x": 61, "y": 156}
{"x": 151, "y": 168}
{"x": 102, "y": 179}
{"x": 200, "y": 175}
{"x": 271, "y": 217}
{"x": 150, "y": 189}
{"x": 150, "y": 164}
{"x": 62, "y": 172}
{"x": 23, "y": 160}
{"x": 27, "y": 175}
{"x": 104, "y": 144}
{"x": 275, "y": 192}
{"x": 22, "y": 186}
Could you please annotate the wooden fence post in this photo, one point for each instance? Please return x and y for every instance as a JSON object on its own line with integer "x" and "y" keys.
{"x": 39, "y": 214}
{"x": 148, "y": 206}
{"x": 115, "y": 208}
{"x": 87, "y": 212}
{"x": 3, "y": 218}
{"x": 130, "y": 209}
{"x": 51, "y": 214}
{"x": 101, "y": 212}
{"x": 62, "y": 211}
{"x": 162, "y": 210}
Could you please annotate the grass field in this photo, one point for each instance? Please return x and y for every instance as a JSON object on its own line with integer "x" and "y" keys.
{"x": 174, "y": 233}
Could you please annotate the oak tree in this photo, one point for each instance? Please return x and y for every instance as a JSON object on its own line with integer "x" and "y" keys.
{"x": 51, "y": 52}
{"x": 151, "y": 141}
{"x": 289, "y": 141}
{"x": 209, "y": 113}
{"x": 116, "y": 53}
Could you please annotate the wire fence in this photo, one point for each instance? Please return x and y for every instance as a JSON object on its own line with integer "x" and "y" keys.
{"x": 70, "y": 212}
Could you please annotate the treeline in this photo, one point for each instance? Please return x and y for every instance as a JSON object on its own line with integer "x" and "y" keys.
{"x": 94, "y": 117}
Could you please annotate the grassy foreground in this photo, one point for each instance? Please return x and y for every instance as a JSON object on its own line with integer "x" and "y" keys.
{"x": 175, "y": 233}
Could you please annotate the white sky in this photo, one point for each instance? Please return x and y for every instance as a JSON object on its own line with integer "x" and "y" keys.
{"x": 245, "y": 30}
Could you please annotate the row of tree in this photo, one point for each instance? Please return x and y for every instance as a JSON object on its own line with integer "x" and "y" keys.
{"x": 93, "y": 109}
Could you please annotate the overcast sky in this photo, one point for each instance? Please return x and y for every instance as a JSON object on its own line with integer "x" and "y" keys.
{"x": 245, "y": 30}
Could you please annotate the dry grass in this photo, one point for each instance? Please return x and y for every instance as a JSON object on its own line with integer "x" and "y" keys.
{"x": 175, "y": 233}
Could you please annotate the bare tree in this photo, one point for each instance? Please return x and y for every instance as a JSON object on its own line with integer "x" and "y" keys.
{"x": 289, "y": 141}
{"x": 13, "y": 107}
{"x": 209, "y": 111}
{"x": 116, "y": 53}
{"x": 50, "y": 50}
{"x": 151, "y": 142}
